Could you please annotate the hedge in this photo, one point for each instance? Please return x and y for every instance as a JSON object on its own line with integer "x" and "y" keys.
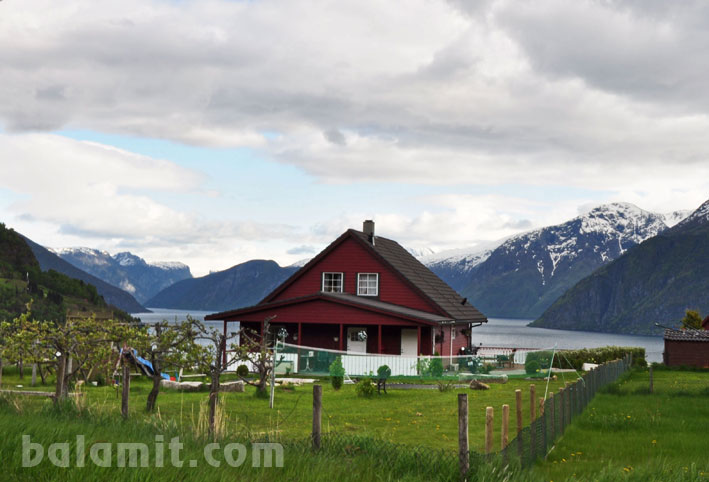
{"x": 577, "y": 358}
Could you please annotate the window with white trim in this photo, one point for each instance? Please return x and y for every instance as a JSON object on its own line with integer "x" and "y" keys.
{"x": 332, "y": 282}
{"x": 368, "y": 284}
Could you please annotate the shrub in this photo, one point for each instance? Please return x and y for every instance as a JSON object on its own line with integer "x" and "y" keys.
{"x": 445, "y": 385}
{"x": 383, "y": 372}
{"x": 576, "y": 358}
{"x": 543, "y": 358}
{"x": 337, "y": 373}
{"x": 435, "y": 366}
{"x": 531, "y": 367}
{"x": 365, "y": 388}
{"x": 242, "y": 371}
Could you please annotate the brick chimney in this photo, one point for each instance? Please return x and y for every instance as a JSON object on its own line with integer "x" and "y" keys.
{"x": 368, "y": 227}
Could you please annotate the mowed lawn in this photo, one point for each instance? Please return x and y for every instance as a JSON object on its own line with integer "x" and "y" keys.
{"x": 626, "y": 433}
{"x": 413, "y": 417}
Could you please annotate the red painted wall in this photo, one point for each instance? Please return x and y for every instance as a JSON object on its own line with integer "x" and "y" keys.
{"x": 690, "y": 353}
{"x": 324, "y": 312}
{"x": 460, "y": 340}
{"x": 351, "y": 258}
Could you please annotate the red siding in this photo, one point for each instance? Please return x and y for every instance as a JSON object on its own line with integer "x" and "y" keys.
{"x": 444, "y": 347}
{"x": 351, "y": 258}
{"x": 689, "y": 353}
{"x": 324, "y": 312}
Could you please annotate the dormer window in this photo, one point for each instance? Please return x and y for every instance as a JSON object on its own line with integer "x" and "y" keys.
{"x": 332, "y": 282}
{"x": 368, "y": 284}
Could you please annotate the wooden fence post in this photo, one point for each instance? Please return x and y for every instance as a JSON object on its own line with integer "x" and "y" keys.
{"x": 552, "y": 417}
{"x": 317, "y": 415}
{"x": 505, "y": 426}
{"x": 126, "y": 389}
{"x": 518, "y": 408}
{"x": 463, "y": 449}
{"x": 562, "y": 412}
{"x": 651, "y": 387}
{"x": 489, "y": 422}
{"x": 532, "y": 418}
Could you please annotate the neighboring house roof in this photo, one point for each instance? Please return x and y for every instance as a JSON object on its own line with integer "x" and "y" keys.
{"x": 339, "y": 298}
{"x": 687, "y": 335}
{"x": 403, "y": 263}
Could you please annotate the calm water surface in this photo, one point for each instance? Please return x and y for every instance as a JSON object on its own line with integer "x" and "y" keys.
{"x": 514, "y": 333}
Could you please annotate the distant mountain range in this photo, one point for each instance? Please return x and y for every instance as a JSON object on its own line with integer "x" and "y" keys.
{"x": 241, "y": 285}
{"x": 30, "y": 276}
{"x": 113, "y": 295}
{"x": 655, "y": 281}
{"x": 127, "y": 271}
{"x": 526, "y": 273}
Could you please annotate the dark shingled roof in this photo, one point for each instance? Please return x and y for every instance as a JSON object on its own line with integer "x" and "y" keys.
{"x": 687, "y": 335}
{"x": 423, "y": 278}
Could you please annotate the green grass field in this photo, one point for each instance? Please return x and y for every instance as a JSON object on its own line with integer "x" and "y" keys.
{"x": 625, "y": 433}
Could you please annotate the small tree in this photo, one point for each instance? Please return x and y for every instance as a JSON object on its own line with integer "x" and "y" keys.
{"x": 212, "y": 359}
{"x": 337, "y": 373}
{"x": 166, "y": 344}
{"x": 692, "y": 320}
{"x": 254, "y": 348}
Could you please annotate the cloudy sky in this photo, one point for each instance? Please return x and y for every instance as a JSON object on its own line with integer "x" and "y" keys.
{"x": 213, "y": 131}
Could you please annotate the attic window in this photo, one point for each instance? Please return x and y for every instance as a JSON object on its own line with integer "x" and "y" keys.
{"x": 368, "y": 284}
{"x": 332, "y": 282}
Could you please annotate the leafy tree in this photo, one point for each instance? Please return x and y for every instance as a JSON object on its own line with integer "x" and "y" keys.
{"x": 254, "y": 348}
{"x": 166, "y": 345}
{"x": 212, "y": 359}
{"x": 75, "y": 345}
{"x": 692, "y": 320}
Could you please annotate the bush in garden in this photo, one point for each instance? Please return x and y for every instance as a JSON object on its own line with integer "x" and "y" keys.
{"x": 531, "y": 367}
{"x": 337, "y": 373}
{"x": 383, "y": 372}
{"x": 365, "y": 388}
{"x": 242, "y": 371}
{"x": 435, "y": 366}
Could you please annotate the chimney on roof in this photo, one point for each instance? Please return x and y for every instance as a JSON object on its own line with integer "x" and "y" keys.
{"x": 368, "y": 229}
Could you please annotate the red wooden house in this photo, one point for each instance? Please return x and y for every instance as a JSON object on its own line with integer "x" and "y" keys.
{"x": 365, "y": 293}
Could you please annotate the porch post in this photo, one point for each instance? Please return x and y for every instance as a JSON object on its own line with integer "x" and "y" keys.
{"x": 418, "y": 341}
{"x": 300, "y": 342}
{"x": 379, "y": 339}
{"x": 224, "y": 354}
{"x": 340, "y": 336}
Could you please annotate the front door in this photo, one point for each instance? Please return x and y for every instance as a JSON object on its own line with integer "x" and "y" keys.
{"x": 409, "y": 342}
{"x": 357, "y": 339}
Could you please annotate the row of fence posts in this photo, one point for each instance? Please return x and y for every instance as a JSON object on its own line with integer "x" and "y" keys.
{"x": 552, "y": 419}
{"x": 549, "y": 418}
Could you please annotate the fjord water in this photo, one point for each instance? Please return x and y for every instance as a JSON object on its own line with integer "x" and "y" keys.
{"x": 498, "y": 332}
{"x": 501, "y": 332}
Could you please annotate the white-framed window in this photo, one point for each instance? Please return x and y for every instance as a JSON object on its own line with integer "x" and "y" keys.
{"x": 368, "y": 284}
{"x": 332, "y": 282}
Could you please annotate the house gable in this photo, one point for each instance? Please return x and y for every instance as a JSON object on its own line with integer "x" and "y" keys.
{"x": 348, "y": 255}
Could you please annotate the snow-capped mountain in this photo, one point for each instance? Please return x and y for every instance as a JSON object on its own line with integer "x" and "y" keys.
{"x": 675, "y": 217}
{"x": 454, "y": 266}
{"x": 522, "y": 276}
{"x": 126, "y": 270}
{"x": 654, "y": 282}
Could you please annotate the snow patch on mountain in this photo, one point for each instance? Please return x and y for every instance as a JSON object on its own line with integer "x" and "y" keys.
{"x": 673, "y": 218}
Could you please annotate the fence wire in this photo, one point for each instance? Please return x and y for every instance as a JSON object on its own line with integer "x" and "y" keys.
{"x": 531, "y": 443}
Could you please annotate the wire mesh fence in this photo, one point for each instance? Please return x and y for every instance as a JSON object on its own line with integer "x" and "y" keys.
{"x": 557, "y": 412}
{"x": 529, "y": 444}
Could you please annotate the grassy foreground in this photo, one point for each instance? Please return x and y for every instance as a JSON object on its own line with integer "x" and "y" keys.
{"x": 625, "y": 433}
